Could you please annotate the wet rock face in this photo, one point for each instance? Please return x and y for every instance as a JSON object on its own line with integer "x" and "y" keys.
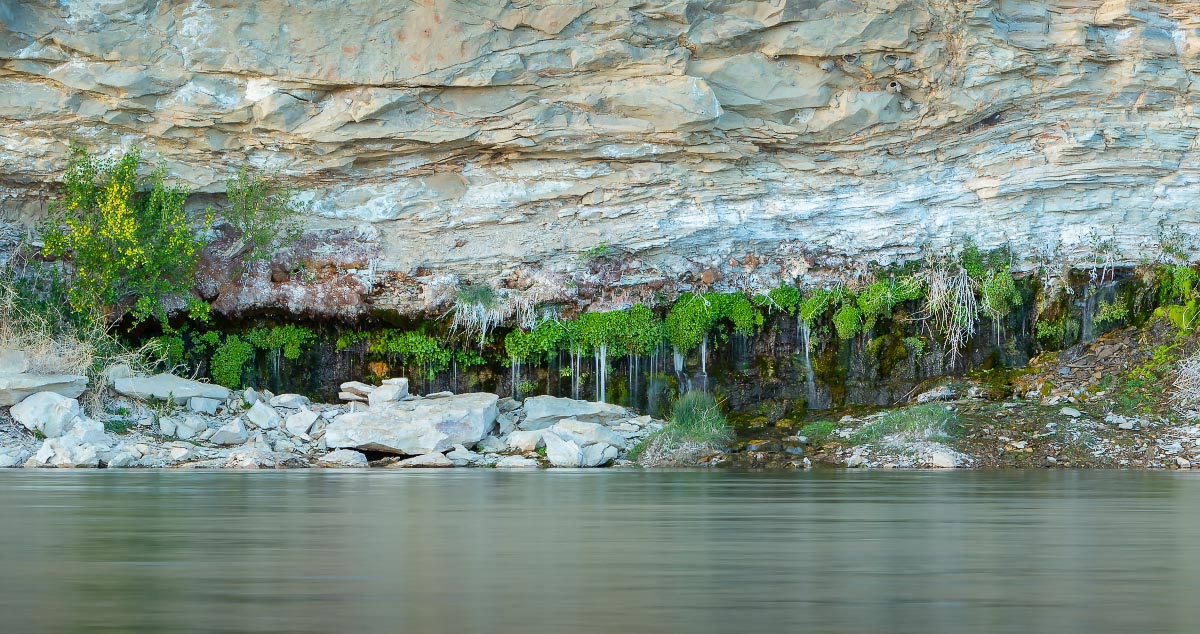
{"x": 726, "y": 143}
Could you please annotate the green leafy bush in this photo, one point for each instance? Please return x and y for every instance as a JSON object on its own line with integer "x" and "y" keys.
{"x": 229, "y": 361}
{"x": 782, "y": 298}
{"x": 692, "y": 316}
{"x": 1110, "y": 314}
{"x": 998, "y": 295}
{"x": 129, "y": 242}
{"x": 847, "y": 320}
{"x": 815, "y": 304}
{"x": 265, "y": 211}
{"x": 289, "y": 338}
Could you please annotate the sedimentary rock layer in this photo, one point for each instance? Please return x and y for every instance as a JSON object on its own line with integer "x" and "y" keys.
{"x": 730, "y": 144}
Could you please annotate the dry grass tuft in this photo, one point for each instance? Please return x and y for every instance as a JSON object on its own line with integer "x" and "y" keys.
{"x": 1187, "y": 383}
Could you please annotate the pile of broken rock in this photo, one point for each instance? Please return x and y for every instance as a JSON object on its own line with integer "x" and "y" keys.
{"x": 169, "y": 421}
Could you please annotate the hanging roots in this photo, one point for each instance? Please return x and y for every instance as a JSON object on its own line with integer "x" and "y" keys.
{"x": 477, "y": 311}
{"x": 951, "y": 307}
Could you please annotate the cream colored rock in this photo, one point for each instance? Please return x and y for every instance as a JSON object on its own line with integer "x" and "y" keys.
{"x": 345, "y": 458}
{"x": 300, "y": 423}
{"x": 161, "y": 387}
{"x": 525, "y": 441}
{"x": 428, "y": 461}
{"x": 416, "y": 427}
{"x": 509, "y": 138}
{"x": 49, "y": 413}
{"x": 16, "y": 387}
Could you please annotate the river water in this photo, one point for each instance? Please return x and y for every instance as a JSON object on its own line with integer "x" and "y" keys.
{"x": 599, "y": 551}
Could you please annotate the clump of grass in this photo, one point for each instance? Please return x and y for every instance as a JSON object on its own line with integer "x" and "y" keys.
{"x": 818, "y": 430}
{"x": 697, "y": 425}
{"x": 919, "y": 422}
{"x": 56, "y": 344}
{"x": 118, "y": 426}
{"x": 697, "y": 416}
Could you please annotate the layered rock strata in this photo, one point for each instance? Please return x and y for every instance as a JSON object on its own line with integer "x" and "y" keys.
{"x": 712, "y": 144}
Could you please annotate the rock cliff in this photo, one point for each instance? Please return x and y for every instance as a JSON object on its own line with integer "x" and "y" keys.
{"x": 700, "y": 143}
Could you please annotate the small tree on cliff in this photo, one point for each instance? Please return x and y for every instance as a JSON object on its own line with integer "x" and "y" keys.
{"x": 265, "y": 211}
{"x": 130, "y": 244}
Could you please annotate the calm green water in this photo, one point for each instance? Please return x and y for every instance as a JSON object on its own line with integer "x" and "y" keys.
{"x": 599, "y": 551}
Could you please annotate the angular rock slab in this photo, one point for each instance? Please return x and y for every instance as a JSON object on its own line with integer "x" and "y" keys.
{"x": 264, "y": 416}
{"x": 416, "y": 427}
{"x": 13, "y": 362}
{"x": 50, "y": 413}
{"x": 587, "y": 433}
{"x": 231, "y": 433}
{"x": 516, "y": 462}
{"x": 346, "y": 458}
{"x": 160, "y": 387}
{"x": 557, "y": 407}
{"x": 15, "y": 388}
{"x": 85, "y": 445}
{"x": 428, "y": 461}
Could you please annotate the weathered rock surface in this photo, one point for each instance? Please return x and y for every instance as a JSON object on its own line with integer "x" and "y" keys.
{"x": 254, "y": 458}
{"x": 345, "y": 458}
{"x": 161, "y": 387}
{"x": 16, "y": 387}
{"x": 13, "y": 362}
{"x": 301, "y": 422}
{"x": 182, "y": 427}
{"x": 232, "y": 433}
{"x": 525, "y": 441}
{"x": 516, "y": 462}
{"x": 264, "y": 416}
{"x": 50, "y": 413}
{"x": 553, "y": 407}
{"x": 757, "y": 140}
{"x": 388, "y": 393}
{"x": 85, "y": 445}
{"x": 289, "y": 401}
{"x": 416, "y": 427}
{"x": 428, "y": 461}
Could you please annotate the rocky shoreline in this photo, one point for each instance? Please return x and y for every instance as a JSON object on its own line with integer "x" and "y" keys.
{"x": 1096, "y": 405}
{"x": 164, "y": 421}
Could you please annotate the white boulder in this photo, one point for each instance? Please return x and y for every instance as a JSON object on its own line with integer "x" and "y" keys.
{"x": 264, "y": 416}
{"x": 50, "y": 413}
{"x": 85, "y": 445}
{"x": 432, "y": 460}
{"x": 598, "y": 455}
{"x": 416, "y": 427}
{"x": 300, "y": 423}
{"x": 232, "y": 433}
{"x": 463, "y": 457}
{"x": 562, "y": 452}
{"x": 516, "y": 462}
{"x": 161, "y": 387}
{"x": 290, "y": 401}
{"x": 587, "y": 433}
{"x": 525, "y": 441}
{"x": 388, "y": 393}
{"x": 343, "y": 458}
{"x": 202, "y": 405}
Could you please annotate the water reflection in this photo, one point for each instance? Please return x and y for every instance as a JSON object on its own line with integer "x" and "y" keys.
{"x": 613, "y": 551}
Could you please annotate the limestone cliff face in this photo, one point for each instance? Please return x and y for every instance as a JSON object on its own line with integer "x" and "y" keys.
{"x": 711, "y": 143}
